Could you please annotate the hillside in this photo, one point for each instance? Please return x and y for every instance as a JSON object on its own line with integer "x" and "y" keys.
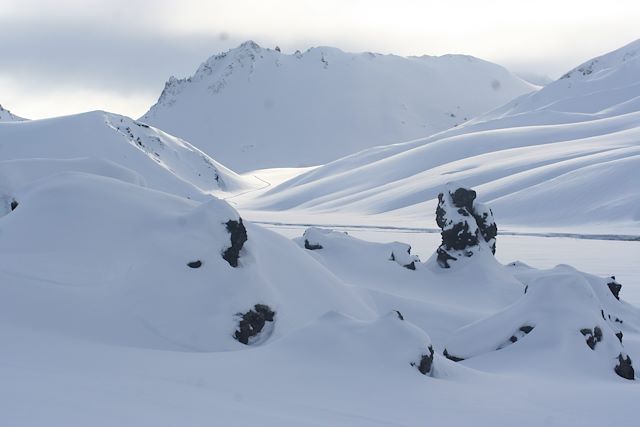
{"x": 112, "y": 145}
{"x": 565, "y": 157}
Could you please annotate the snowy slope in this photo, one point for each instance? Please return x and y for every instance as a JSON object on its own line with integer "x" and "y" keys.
{"x": 105, "y": 324}
{"x": 566, "y": 156}
{"x": 87, "y": 142}
{"x": 254, "y": 108}
{"x": 7, "y": 116}
{"x": 101, "y": 259}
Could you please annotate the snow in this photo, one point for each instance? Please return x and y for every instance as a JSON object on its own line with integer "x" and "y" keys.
{"x": 122, "y": 299}
{"x": 562, "y": 158}
{"x": 253, "y": 108}
{"x": 85, "y": 142}
{"x": 7, "y": 116}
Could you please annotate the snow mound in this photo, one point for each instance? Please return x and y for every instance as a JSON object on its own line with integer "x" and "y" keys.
{"x": 162, "y": 161}
{"x": 97, "y": 258}
{"x": 253, "y": 108}
{"x": 559, "y": 314}
{"x": 317, "y": 238}
{"x": 384, "y": 346}
{"x": 435, "y": 299}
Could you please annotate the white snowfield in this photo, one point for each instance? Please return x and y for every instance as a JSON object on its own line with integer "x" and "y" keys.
{"x": 104, "y": 323}
{"x": 565, "y": 157}
{"x": 105, "y": 143}
{"x": 133, "y": 294}
{"x": 253, "y": 108}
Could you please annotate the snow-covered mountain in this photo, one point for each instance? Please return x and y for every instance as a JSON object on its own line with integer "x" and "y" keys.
{"x": 254, "y": 108}
{"x": 8, "y": 116}
{"x": 567, "y": 156}
{"x": 112, "y": 145}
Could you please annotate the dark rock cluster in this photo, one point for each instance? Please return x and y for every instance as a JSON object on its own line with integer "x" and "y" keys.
{"x": 238, "y": 236}
{"x": 593, "y": 336}
{"x": 464, "y": 225}
{"x": 252, "y": 322}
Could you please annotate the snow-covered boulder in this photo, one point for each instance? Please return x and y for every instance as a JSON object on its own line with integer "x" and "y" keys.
{"x": 467, "y": 227}
{"x": 559, "y": 314}
{"x": 315, "y": 238}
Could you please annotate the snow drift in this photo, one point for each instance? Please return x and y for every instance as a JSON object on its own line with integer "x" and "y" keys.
{"x": 87, "y": 142}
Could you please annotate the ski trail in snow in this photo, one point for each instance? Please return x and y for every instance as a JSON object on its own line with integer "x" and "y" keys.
{"x": 267, "y": 185}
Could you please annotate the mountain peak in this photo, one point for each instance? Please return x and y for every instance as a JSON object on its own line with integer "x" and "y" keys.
{"x": 609, "y": 60}
{"x": 249, "y": 44}
{"x": 8, "y": 116}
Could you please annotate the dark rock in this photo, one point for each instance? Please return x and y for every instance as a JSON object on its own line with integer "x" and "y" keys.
{"x": 410, "y": 266}
{"x": 426, "y": 362}
{"x": 195, "y": 264}
{"x": 615, "y": 287}
{"x": 312, "y": 246}
{"x": 463, "y": 198}
{"x": 444, "y": 257}
{"x": 238, "y": 237}
{"x": 252, "y": 322}
{"x": 451, "y": 357}
{"x": 526, "y": 329}
{"x": 400, "y": 316}
{"x": 14, "y": 205}
{"x": 619, "y": 335}
{"x": 513, "y": 338}
{"x": 624, "y": 367}
{"x": 526, "y": 288}
{"x": 593, "y": 336}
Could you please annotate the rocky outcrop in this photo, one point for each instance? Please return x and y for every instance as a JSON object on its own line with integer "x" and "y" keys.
{"x": 614, "y": 287}
{"x": 253, "y": 322}
{"x": 466, "y": 226}
{"x": 238, "y": 237}
{"x": 426, "y": 362}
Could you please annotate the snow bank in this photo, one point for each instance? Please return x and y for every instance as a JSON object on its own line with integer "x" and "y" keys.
{"x": 106, "y": 260}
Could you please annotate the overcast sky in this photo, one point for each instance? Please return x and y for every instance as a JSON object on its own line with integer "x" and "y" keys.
{"x": 66, "y": 56}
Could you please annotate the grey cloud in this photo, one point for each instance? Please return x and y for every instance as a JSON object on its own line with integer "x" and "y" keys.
{"x": 69, "y": 54}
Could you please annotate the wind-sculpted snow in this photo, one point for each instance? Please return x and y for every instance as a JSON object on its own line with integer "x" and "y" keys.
{"x": 253, "y": 108}
{"x": 560, "y": 317}
{"x": 101, "y": 296}
{"x": 75, "y": 143}
{"x": 329, "y": 240}
{"x": 565, "y": 157}
{"x": 97, "y": 258}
